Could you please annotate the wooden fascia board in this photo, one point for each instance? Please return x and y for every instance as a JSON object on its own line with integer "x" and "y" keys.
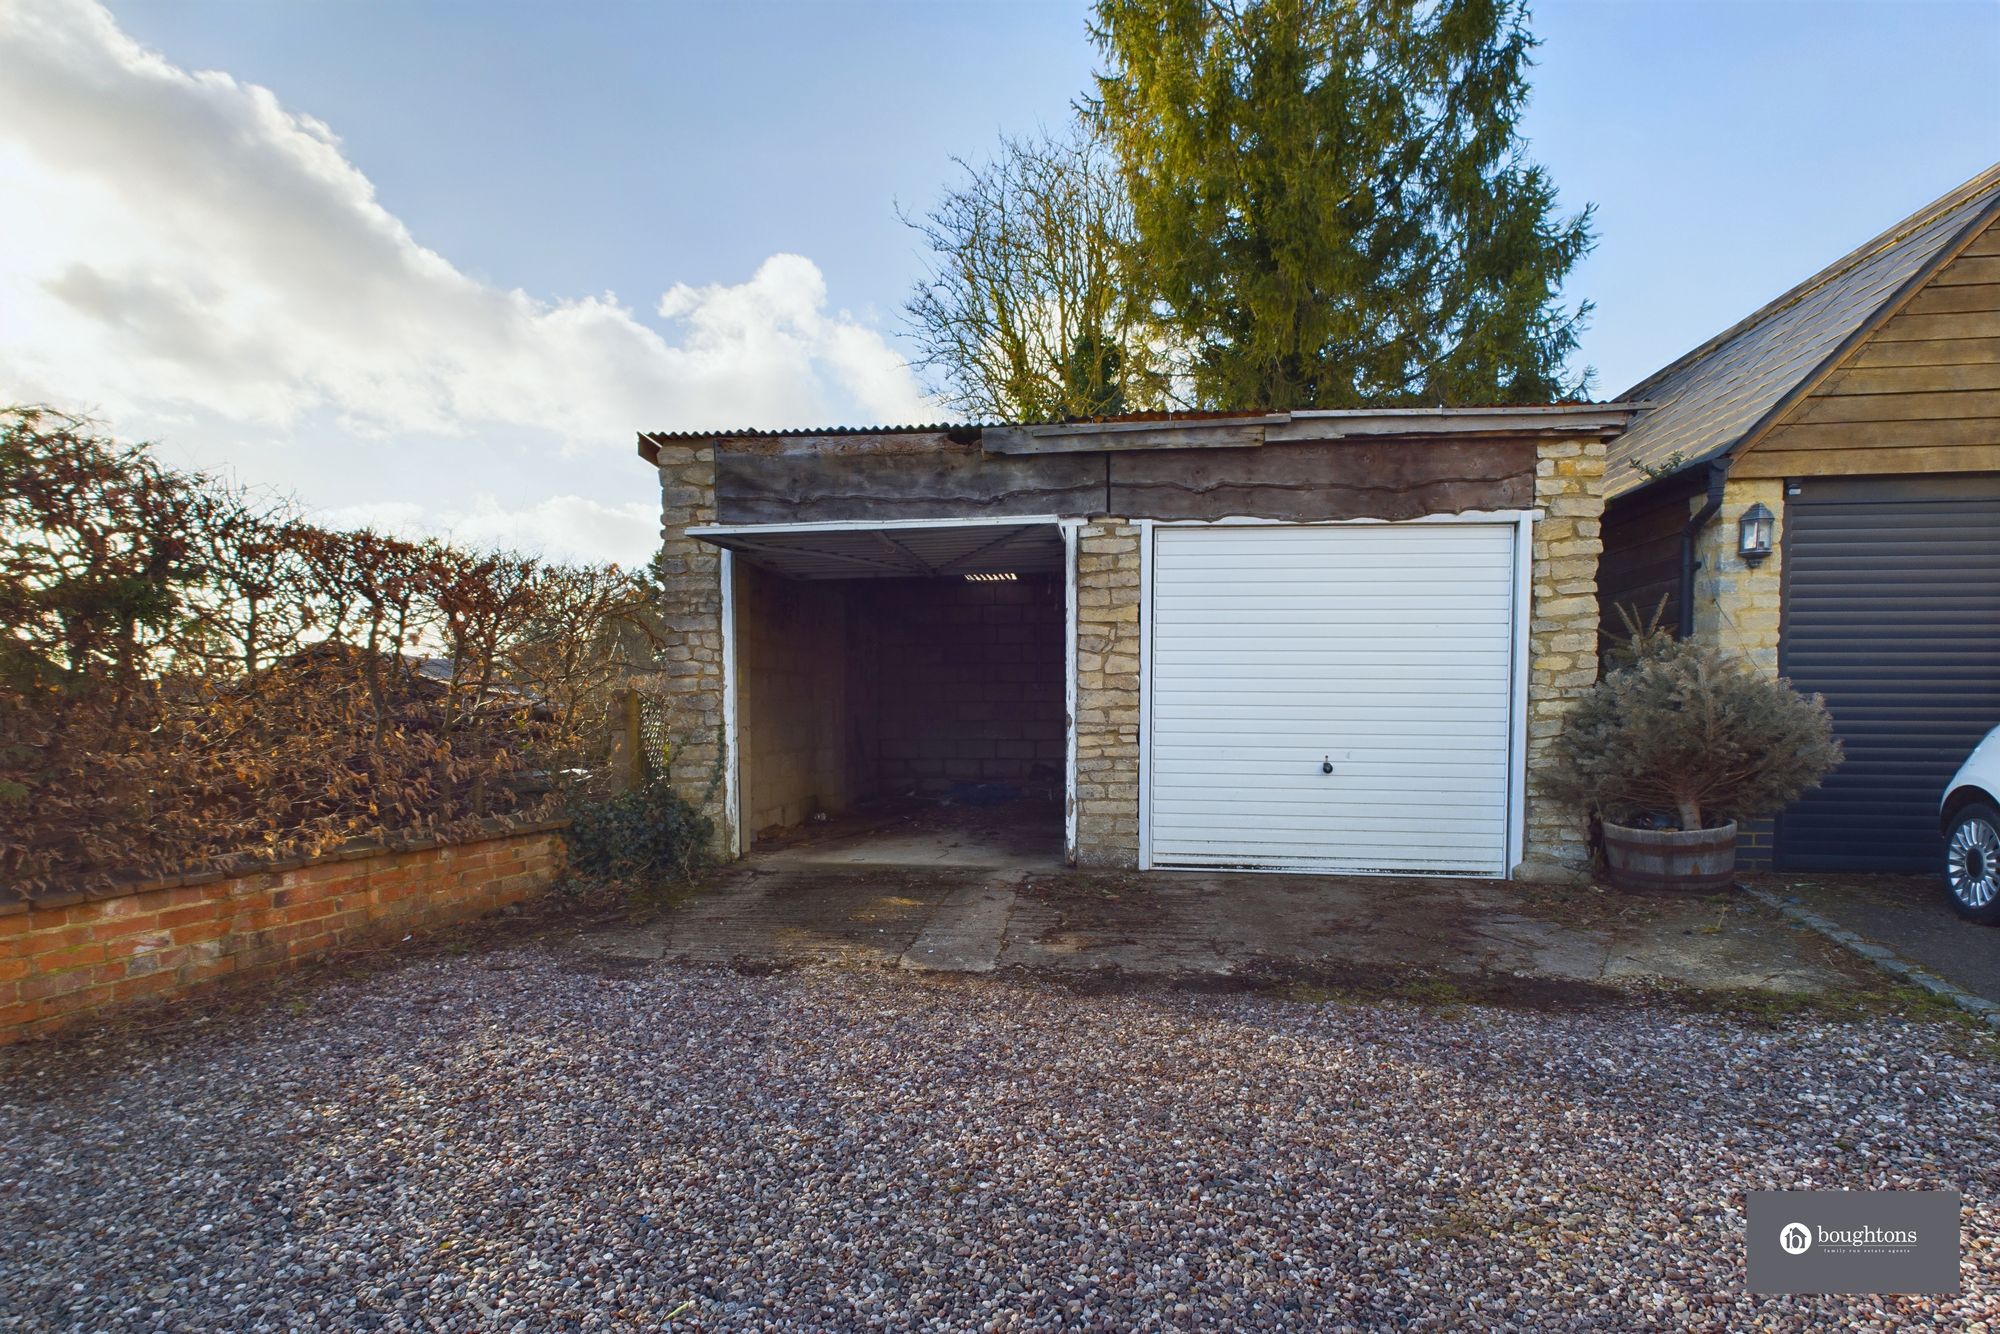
{"x": 1864, "y": 331}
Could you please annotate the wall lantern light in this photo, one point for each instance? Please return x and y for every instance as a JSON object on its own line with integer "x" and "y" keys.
{"x": 1753, "y": 534}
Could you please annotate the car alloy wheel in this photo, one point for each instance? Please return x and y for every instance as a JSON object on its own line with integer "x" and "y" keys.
{"x": 1972, "y": 861}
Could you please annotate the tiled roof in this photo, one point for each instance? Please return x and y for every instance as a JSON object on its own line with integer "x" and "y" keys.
{"x": 1714, "y": 397}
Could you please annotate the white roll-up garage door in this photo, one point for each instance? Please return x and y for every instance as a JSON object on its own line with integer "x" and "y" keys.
{"x": 1385, "y": 651}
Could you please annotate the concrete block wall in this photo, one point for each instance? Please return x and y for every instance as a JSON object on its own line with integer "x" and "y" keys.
{"x": 792, "y": 651}
{"x": 65, "y": 958}
{"x": 969, "y": 680}
{"x": 1562, "y": 641}
{"x": 689, "y": 679}
{"x": 1107, "y": 695}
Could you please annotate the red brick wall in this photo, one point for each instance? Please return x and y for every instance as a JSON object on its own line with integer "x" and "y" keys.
{"x": 65, "y": 960}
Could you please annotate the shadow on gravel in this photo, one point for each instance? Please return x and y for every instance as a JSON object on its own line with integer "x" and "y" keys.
{"x": 1360, "y": 985}
{"x": 1347, "y": 983}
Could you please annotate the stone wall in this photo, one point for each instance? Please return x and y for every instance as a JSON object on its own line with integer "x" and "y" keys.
{"x": 1737, "y": 606}
{"x": 1739, "y": 609}
{"x": 1562, "y": 641}
{"x": 690, "y": 667}
{"x": 67, "y": 957}
{"x": 1107, "y": 695}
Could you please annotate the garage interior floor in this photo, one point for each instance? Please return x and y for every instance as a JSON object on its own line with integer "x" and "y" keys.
{"x": 1024, "y": 834}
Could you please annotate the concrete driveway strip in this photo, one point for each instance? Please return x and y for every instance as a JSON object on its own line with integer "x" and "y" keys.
{"x": 1904, "y": 915}
{"x": 966, "y": 930}
{"x": 964, "y": 919}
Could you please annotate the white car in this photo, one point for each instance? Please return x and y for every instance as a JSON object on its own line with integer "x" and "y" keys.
{"x": 1971, "y": 819}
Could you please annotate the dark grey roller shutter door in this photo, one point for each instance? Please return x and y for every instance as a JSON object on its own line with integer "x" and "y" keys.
{"x": 1892, "y": 611}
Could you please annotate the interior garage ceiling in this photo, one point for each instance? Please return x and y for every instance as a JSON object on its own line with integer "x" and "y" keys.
{"x": 900, "y": 552}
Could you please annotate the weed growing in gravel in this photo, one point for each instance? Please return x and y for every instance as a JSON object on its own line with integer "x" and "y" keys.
{"x": 1433, "y": 993}
{"x": 1436, "y": 993}
{"x": 1774, "y": 1009}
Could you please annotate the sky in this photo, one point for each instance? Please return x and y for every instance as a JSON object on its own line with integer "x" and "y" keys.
{"x": 431, "y": 266}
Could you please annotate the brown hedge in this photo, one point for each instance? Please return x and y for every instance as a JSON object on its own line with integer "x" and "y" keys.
{"x": 190, "y": 676}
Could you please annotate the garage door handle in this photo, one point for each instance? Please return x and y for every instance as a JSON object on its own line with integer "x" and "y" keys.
{"x": 1326, "y": 765}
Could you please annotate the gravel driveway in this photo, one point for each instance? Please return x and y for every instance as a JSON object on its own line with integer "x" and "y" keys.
{"x": 515, "y": 1140}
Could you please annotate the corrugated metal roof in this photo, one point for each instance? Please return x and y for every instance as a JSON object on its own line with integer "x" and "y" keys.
{"x": 756, "y": 432}
{"x": 1123, "y": 418}
{"x": 1711, "y": 399}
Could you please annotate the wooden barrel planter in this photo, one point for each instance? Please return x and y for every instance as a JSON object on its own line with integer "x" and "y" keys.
{"x": 1692, "y": 860}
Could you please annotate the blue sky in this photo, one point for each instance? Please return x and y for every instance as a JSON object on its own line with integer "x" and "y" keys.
{"x": 542, "y": 174}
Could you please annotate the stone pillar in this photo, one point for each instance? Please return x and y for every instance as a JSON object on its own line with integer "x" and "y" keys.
{"x": 1107, "y": 694}
{"x": 1562, "y": 642}
{"x": 689, "y": 680}
{"x": 1737, "y": 606}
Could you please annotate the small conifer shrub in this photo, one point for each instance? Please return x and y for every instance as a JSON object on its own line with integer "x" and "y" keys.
{"x": 1679, "y": 734}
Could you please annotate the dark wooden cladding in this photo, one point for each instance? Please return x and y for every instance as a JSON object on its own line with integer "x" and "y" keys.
{"x": 1326, "y": 479}
{"x": 1641, "y": 563}
{"x": 862, "y": 478}
{"x": 843, "y": 480}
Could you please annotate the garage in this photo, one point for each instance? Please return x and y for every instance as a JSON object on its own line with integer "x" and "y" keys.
{"x": 1329, "y": 641}
{"x": 1336, "y": 698}
{"x": 1892, "y": 612}
{"x": 897, "y": 669}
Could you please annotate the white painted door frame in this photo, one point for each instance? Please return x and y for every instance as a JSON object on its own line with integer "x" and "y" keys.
{"x": 1071, "y": 531}
{"x": 732, "y": 757}
{"x": 1523, "y": 522}
{"x": 732, "y": 794}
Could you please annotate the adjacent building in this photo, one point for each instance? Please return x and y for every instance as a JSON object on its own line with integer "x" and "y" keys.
{"x": 1818, "y": 489}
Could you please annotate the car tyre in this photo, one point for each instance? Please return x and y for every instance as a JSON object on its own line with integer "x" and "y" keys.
{"x": 1972, "y": 863}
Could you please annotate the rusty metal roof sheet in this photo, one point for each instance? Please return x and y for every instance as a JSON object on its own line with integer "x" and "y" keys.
{"x": 1722, "y": 393}
{"x": 758, "y": 432}
{"x": 1581, "y": 416}
{"x": 1164, "y": 416}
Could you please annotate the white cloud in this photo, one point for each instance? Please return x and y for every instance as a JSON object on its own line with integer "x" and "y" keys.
{"x": 196, "y": 263}
{"x": 587, "y": 529}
